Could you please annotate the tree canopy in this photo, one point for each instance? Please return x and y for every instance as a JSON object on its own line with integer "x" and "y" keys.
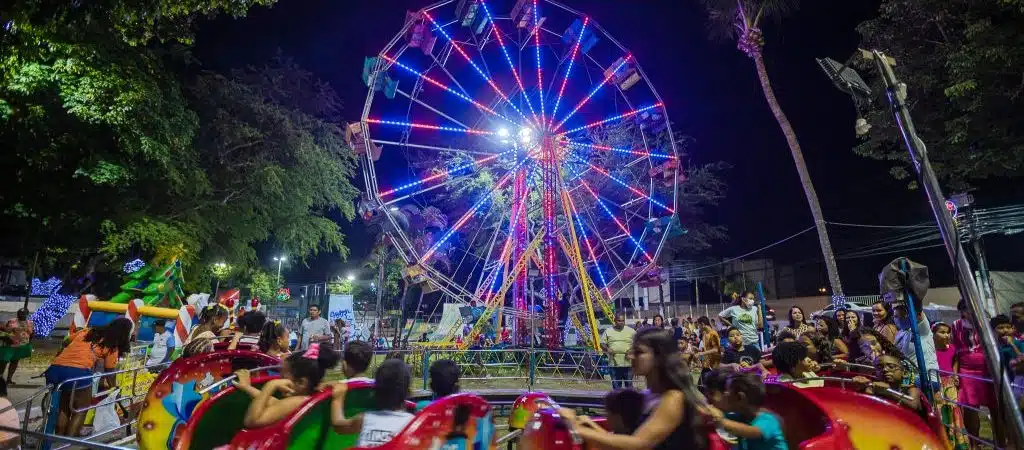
{"x": 117, "y": 146}
{"x": 963, "y": 63}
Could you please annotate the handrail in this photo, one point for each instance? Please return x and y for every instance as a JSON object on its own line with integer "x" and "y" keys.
{"x": 983, "y": 413}
{"x": 46, "y": 437}
{"x": 232, "y": 377}
{"x": 843, "y": 382}
{"x": 508, "y": 437}
{"x": 29, "y": 399}
{"x": 107, "y": 392}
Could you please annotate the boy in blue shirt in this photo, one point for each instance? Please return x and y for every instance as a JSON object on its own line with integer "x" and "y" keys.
{"x": 1010, "y": 349}
{"x": 756, "y": 428}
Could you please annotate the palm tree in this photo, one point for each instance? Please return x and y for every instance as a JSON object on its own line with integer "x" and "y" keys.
{"x": 741, "y": 20}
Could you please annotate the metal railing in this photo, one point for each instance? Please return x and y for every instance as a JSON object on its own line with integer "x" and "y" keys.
{"x": 120, "y": 394}
{"x": 942, "y": 398}
{"x": 515, "y": 368}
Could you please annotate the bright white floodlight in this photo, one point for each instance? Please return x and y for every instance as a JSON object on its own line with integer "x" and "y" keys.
{"x": 503, "y": 132}
{"x": 525, "y": 136}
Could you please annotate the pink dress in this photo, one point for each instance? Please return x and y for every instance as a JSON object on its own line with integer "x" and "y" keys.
{"x": 973, "y": 392}
{"x": 945, "y": 358}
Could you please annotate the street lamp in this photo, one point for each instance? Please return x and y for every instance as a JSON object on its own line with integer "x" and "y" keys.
{"x": 218, "y": 271}
{"x": 351, "y": 277}
{"x": 280, "y": 260}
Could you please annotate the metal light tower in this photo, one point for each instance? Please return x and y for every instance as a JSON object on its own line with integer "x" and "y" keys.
{"x": 280, "y": 260}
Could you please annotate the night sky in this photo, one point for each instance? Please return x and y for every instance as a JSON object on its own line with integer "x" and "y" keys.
{"x": 711, "y": 92}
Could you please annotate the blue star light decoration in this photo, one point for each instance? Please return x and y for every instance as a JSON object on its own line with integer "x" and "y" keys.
{"x": 134, "y": 265}
{"x": 53, "y": 308}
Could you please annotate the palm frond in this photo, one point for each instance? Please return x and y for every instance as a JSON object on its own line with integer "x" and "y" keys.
{"x": 774, "y": 10}
{"x": 722, "y": 17}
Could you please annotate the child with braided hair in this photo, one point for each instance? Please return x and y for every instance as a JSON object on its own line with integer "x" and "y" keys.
{"x": 273, "y": 339}
{"x": 301, "y": 374}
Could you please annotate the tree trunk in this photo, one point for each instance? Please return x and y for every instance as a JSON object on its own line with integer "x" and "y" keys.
{"x": 401, "y": 320}
{"x": 805, "y": 178}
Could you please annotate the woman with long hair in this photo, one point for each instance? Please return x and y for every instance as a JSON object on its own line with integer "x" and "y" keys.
{"x": 211, "y": 320}
{"x": 852, "y": 323}
{"x": 881, "y": 313}
{"x": 830, "y": 328}
{"x": 75, "y": 363}
{"x": 670, "y": 420}
{"x": 798, "y": 322}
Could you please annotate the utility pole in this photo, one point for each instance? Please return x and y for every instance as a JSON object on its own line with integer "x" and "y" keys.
{"x": 961, "y": 206}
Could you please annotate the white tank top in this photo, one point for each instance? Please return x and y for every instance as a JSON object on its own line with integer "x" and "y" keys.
{"x": 380, "y": 426}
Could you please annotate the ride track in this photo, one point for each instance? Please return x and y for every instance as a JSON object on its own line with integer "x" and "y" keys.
{"x": 567, "y": 124}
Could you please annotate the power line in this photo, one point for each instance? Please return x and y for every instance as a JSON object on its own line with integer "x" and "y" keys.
{"x": 867, "y": 226}
{"x": 748, "y": 253}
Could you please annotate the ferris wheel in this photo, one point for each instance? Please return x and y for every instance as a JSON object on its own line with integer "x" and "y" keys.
{"x": 519, "y": 157}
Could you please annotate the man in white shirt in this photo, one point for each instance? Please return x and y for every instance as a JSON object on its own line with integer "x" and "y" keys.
{"x": 315, "y": 329}
{"x": 616, "y": 343}
{"x": 163, "y": 343}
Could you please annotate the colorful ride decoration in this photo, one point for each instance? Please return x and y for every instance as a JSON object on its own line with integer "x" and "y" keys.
{"x": 525, "y": 406}
{"x": 283, "y": 295}
{"x": 218, "y": 422}
{"x": 186, "y": 384}
{"x": 156, "y": 287}
{"x": 834, "y": 418}
{"x": 88, "y": 312}
{"x": 561, "y": 171}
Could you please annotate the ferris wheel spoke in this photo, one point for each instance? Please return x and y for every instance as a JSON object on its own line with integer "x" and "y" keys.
{"x": 472, "y": 211}
{"x": 608, "y": 76}
{"x": 424, "y": 126}
{"x": 508, "y": 58}
{"x": 614, "y": 118}
{"x": 607, "y": 248}
{"x": 458, "y": 48}
{"x": 568, "y": 70}
{"x": 445, "y": 175}
{"x": 625, "y": 185}
{"x": 586, "y": 239}
{"x": 447, "y": 89}
{"x": 614, "y": 218}
{"x": 624, "y": 151}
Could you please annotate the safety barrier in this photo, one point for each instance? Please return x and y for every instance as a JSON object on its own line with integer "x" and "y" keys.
{"x": 943, "y": 397}
{"x": 127, "y": 391}
{"x": 515, "y": 368}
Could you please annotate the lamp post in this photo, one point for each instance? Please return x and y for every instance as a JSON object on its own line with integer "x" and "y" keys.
{"x": 280, "y": 260}
{"x": 218, "y": 271}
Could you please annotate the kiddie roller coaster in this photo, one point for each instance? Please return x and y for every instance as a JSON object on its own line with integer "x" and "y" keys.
{"x": 580, "y": 169}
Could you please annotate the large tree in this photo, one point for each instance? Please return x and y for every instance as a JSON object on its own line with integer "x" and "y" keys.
{"x": 963, "y": 63}
{"x": 116, "y": 147}
{"x": 741, "y": 20}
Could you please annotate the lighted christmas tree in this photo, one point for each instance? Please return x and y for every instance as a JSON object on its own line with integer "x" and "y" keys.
{"x": 162, "y": 288}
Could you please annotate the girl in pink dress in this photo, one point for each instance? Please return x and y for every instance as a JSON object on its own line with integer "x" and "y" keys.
{"x": 949, "y": 411}
{"x": 970, "y": 364}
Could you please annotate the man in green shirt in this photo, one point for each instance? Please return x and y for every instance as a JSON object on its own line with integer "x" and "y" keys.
{"x": 616, "y": 343}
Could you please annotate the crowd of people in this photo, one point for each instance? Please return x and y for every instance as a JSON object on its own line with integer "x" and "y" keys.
{"x": 726, "y": 357}
{"x": 881, "y": 339}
